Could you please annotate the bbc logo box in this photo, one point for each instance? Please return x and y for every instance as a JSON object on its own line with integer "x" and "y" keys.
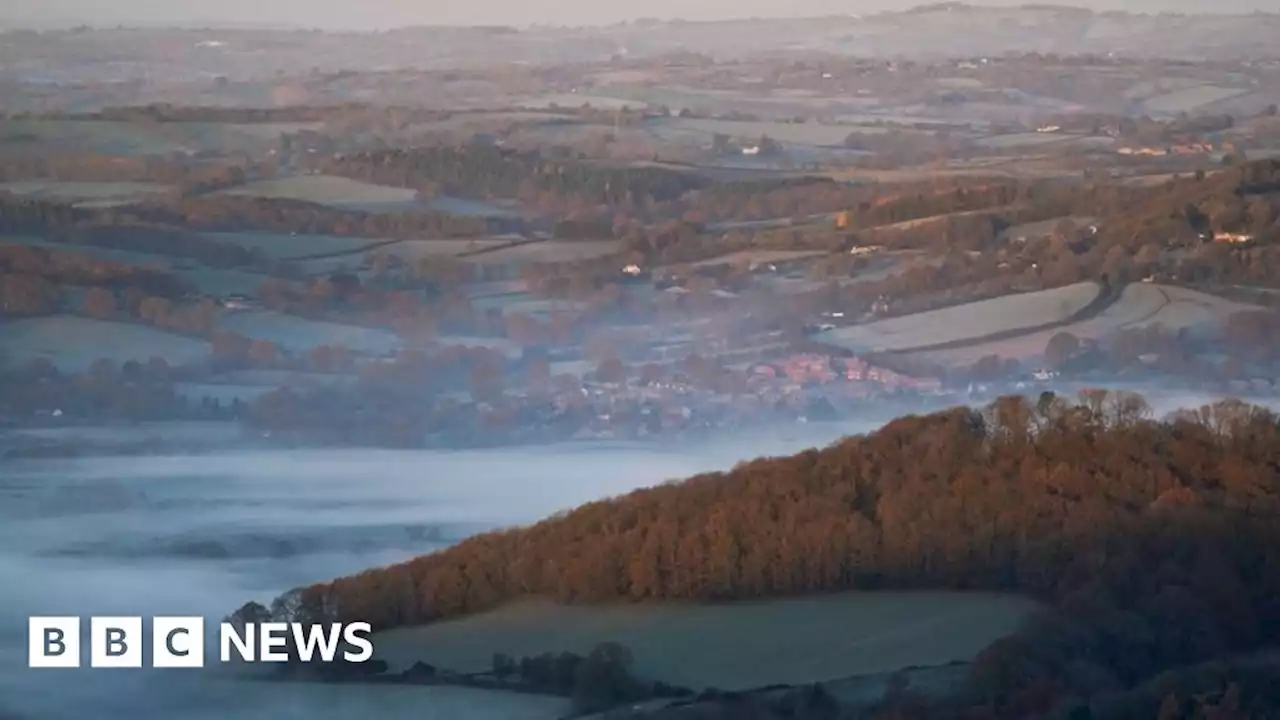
{"x": 115, "y": 642}
{"x": 178, "y": 642}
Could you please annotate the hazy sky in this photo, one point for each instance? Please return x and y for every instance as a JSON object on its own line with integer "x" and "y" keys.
{"x": 366, "y": 14}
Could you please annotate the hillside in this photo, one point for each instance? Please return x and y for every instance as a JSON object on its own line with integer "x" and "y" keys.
{"x": 1125, "y": 524}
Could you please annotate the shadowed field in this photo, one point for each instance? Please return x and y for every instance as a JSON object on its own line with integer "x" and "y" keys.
{"x": 732, "y": 646}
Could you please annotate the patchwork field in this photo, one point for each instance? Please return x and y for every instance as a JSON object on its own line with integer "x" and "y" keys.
{"x": 96, "y": 194}
{"x": 810, "y": 133}
{"x": 961, "y": 322}
{"x": 1043, "y": 228}
{"x": 733, "y": 646}
{"x": 279, "y": 246}
{"x": 549, "y": 251}
{"x": 1140, "y": 305}
{"x": 297, "y": 334}
{"x": 1188, "y": 99}
{"x": 505, "y": 346}
{"x": 115, "y": 137}
{"x": 327, "y": 190}
{"x": 1023, "y": 140}
{"x": 759, "y": 256}
{"x": 72, "y": 343}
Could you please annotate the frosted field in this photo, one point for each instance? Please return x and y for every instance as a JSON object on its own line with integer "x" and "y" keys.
{"x": 507, "y": 347}
{"x": 759, "y": 256}
{"x": 549, "y": 251}
{"x": 413, "y": 249}
{"x": 326, "y": 190}
{"x": 297, "y": 334}
{"x": 115, "y": 137}
{"x": 283, "y": 246}
{"x": 961, "y": 322}
{"x": 1023, "y": 140}
{"x": 1189, "y": 99}
{"x": 810, "y": 133}
{"x": 1140, "y": 305}
{"x": 97, "y": 192}
{"x": 73, "y": 343}
{"x": 1043, "y": 228}
{"x": 733, "y": 646}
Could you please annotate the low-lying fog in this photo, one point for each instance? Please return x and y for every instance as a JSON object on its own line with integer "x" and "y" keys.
{"x": 200, "y": 535}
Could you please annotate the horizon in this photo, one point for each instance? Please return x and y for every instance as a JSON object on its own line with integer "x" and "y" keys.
{"x": 391, "y": 15}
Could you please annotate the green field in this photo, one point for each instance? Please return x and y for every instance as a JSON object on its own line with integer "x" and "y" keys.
{"x": 730, "y": 646}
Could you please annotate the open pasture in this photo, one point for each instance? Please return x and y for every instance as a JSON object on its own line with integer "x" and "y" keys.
{"x": 548, "y": 251}
{"x": 296, "y": 334}
{"x": 809, "y": 133}
{"x": 970, "y": 320}
{"x": 1140, "y": 305}
{"x": 1043, "y": 228}
{"x": 73, "y": 343}
{"x": 328, "y": 190}
{"x": 284, "y": 246}
{"x": 759, "y": 257}
{"x": 730, "y": 646}
{"x": 106, "y": 137}
{"x": 1018, "y": 140}
{"x": 96, "y": 193}
{"x": 1189, "y": 99}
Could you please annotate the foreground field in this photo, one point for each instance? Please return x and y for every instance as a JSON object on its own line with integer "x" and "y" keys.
{"x": 73, "y": 343}
{"x": 730, "y": 646}
{"x": 1140, "y": 305}
{"x": 971, "y": 320}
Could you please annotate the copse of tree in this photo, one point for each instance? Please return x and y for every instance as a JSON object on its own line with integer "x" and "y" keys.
{"x": 1090, "y": 506}
{"x": 486, "y": 171}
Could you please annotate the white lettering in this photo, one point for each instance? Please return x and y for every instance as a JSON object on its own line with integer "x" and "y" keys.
{"x": 316, "y": 636}
{"x": 356, "y": 634}
{"x": 228, "y": 636}
{"x": 271, "y": 638}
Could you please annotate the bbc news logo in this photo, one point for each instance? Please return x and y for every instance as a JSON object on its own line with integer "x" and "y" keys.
{"x": 178, "y": 642}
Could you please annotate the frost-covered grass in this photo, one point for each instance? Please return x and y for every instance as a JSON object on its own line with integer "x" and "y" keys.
{"x": 327, "y": 190}
{"x": 301, "y": 335}
{"x": 283, "y": 246}
{"x": 961, "y": 322}
{"x": 73, "y": 343}
{"x": 96, "y": 192}
{"x": 550, "y": 251}
{"x": 1140, "y": 305}
{"x": 1188, "y": 99}
{"x": 732, "y": 646}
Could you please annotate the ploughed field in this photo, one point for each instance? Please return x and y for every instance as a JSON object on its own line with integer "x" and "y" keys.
{"x": 729, "y": 646}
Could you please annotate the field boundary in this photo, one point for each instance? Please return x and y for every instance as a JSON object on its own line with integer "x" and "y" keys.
{"x": 1108, "y": 294}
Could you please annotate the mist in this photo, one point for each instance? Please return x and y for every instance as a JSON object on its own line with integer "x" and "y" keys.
{"x": 201, "y": 535}
{"x": 382, "y": 14}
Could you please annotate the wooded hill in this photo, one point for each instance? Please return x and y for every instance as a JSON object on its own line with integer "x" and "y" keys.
{"x": 1156, "y": 541}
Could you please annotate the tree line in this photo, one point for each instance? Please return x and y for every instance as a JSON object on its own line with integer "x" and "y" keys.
{"x": 1125, "y": 525}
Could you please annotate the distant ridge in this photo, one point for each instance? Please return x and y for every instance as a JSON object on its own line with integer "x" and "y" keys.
{"x": 80, "y": 24}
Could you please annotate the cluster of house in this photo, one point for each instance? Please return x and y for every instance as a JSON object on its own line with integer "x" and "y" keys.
{"x": 1192, "y": 148}
{"x": 809, "y": 368}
